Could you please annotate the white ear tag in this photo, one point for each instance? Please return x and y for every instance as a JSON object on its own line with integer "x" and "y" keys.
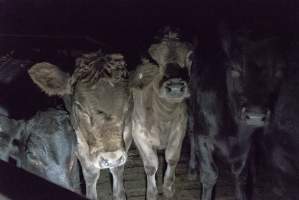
{"x": 140, "y": 75}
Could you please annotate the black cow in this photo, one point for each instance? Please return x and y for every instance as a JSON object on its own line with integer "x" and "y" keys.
{"x": 225, "y": 118}
{"x": 281, "y": 141}
{"x": 45, "y": 146}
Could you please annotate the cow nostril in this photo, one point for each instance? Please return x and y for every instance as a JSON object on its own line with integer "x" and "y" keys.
{"x": 168, "y": 89}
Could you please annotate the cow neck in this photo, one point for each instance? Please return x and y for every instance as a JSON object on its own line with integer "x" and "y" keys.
{"x": 163, "y": 109}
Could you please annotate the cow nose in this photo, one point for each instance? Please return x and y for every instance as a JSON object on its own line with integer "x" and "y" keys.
{"x": 175, "y": 87}
{"x": 255, "y": 115}
{"x": 112, "y": 159}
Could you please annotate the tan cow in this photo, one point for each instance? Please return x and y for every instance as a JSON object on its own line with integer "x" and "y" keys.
{"x": 97, "y": 97}
{"x": 159, "y": 117}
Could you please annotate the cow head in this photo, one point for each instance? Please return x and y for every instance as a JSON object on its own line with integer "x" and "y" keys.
{"x": 172, "y": 55}
{"x": 97, "y": 98}
{"x": 47, "y": 148}
{"x": 253, "y": 73}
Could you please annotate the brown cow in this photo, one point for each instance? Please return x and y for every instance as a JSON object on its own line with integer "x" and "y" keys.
{"x": 159, "y": 118}
{"x": 97, "y": 98}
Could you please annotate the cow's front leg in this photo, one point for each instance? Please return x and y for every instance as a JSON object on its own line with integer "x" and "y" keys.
{"x": 240, "y": 172}
{"x": 208, "y": 168}
{"x": 91, "y": 176}
{"x": 118, "y": 186}
{"x": 150, "y": 163}
{"x": 172, "y": 156}
{"x": 169, "y": 177}
{"x": 192, "y": 171}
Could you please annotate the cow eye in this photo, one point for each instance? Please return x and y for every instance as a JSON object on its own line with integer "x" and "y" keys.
{"x": 235, "y": 73}
{"x": 100, "y": 112}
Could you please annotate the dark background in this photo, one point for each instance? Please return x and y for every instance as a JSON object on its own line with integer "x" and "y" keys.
{"x": 121, "y": 25}
{"x": 129, "y": 24}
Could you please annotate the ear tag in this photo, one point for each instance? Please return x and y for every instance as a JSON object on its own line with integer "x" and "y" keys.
{"x": 140, "y": 76}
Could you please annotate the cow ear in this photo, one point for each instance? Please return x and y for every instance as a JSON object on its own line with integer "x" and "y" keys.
{"x": 50, "y": 79}
{"x": 189, "y": 60}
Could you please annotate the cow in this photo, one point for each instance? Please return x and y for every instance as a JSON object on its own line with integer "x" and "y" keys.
{"x": 97, "y": 98}
{"x": 281, "y": 140}
{"x": 47, "y": 148}
{"x": 232, "y": 92}
{"x": 43, "y": 145}
{"x": 159, "y": 88}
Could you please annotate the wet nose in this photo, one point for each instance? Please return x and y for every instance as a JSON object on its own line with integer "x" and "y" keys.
{"x": 255, "y": 115}
{"x": 175, "y": 86}
{"x": 112, "y": 159}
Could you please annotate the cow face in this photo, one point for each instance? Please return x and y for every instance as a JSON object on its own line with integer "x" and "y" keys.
{"x": 173, "y": 57}
{"x": 101, "y": 121}
{"x": 254, "y": 71}
{"x": 98, "y": 106}
{"x": 48, "y": 148}
{"x": 174, "y": 83}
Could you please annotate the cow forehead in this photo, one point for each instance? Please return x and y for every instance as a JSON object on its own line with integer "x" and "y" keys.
{"x": 170, "y": 52}
{"x": 104, "y": 97}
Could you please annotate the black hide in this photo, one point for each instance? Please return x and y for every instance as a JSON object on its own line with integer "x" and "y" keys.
{"x": 216, "y": 125}
{"x": 44, "y": 145}
{"x": 281, "y": 141}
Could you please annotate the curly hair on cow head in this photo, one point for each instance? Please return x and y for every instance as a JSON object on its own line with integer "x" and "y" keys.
{"x": 168, "y": 33}
{"x": 93, "y": 66}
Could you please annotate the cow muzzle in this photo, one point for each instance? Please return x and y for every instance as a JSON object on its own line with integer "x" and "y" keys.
{"x": 175, "y": 88}
{"x": 112, "y": 159}
{"x": 255, "y": 116}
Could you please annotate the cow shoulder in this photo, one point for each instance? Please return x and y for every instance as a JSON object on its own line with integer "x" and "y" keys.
{"x": 50, "y": 79}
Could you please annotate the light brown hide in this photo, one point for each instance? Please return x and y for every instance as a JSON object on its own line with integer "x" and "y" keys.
{"x": 97, "y": 97}
{"x": 159, "y": 122}
{"x": 102, "y": 118}
{"x": 156, "y": 115}
{"x": 171, "y": 52}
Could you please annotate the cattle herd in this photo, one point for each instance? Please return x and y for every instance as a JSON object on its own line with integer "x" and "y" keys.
{"x": 240, "y": 102}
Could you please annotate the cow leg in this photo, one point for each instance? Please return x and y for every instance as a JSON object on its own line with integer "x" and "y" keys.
{"x": 192, "y": 171}
{"x": 239, "y": 170}
{"x": 150, "y": 162}
{"x": 172, "y": 156}
{"x": 118, "y": 186}
{"x": 91, "y": 176}
{"x": 208, "y": 168}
